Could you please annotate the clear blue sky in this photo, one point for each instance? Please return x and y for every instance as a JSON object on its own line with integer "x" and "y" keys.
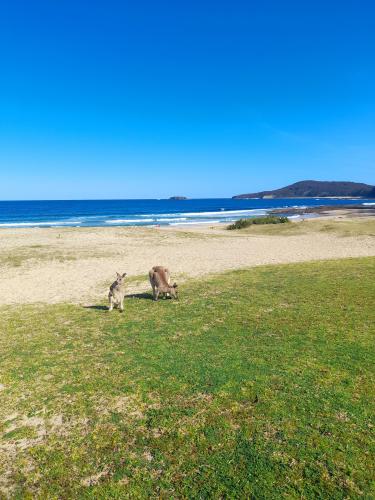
{"x": 149, "y": 98}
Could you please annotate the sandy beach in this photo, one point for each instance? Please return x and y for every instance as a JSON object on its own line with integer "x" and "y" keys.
{"x": 52, "y": 265}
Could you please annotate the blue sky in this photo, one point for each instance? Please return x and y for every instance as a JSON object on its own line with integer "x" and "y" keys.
{"x": 148, "y": 99}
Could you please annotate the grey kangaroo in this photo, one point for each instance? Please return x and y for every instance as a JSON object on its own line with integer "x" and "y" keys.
{"x": 160, "y": 279}
{"x": 117, "y": 293}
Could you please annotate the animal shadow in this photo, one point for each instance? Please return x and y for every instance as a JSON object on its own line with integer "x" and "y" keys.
{"x": 147, "y": 296}
{"x": 98, "y": 308}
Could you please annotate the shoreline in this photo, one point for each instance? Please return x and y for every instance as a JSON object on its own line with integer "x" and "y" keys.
{"x": 360, "y": 210}
{"x": 319, "y": 212}
{"x": 329, "y": 211}
{"x": 143, "y": 214}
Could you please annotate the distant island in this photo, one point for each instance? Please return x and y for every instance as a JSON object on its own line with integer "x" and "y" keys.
{"x": 178, "y": 198}
{"x": 316, "y": 189}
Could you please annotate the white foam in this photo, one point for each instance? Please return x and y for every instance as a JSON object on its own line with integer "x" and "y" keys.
{"x": 170, "y": 219}
{"x": 194, "y": 222}
{"x": 125, "y": 221}
{"x": 368, "y": 204}
{"x": 35, "y": 224}
{"x": 222, "y": 213}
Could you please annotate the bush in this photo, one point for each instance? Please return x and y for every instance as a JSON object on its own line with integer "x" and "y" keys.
{"x": 271, "y": 219}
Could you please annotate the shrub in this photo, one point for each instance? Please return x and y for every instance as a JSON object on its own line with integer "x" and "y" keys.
{"x": 270, "y": 219}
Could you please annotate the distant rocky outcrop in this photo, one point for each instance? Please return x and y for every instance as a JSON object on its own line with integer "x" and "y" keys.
{"x": 178, "y": 198}
{"x": 317, "y": 189}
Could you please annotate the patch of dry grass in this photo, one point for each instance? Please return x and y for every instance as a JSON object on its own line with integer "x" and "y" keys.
{"x": 345, "y": 227}
{"x": 32, "y": 254}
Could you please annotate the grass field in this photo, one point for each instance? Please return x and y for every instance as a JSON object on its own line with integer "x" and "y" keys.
{"x": 256, "y": 384}
{"x": 344, "y": 228}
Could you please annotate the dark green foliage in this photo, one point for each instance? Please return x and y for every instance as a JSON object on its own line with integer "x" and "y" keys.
{"x": 312, "y": 189}
{"x": 271, "y": 219}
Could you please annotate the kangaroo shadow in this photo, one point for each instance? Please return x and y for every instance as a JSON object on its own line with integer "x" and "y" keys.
{"x": 147, "y": 296}
{"x": 98, "y": 308}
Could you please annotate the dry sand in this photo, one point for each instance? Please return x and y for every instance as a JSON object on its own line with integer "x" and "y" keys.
{"x": 52, "y": 265}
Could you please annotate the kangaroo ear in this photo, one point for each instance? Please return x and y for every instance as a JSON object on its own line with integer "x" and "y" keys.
{"x": 124, "y": 275}
{"x": 118, "y": 275}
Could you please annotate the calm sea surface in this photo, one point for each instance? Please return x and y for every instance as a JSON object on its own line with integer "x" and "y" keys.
{"x": 145, "y": 212}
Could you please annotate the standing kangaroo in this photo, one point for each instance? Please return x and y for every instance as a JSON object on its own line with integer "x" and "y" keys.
{"x": 160, "y": 279}
{"x": 117, "y": 293}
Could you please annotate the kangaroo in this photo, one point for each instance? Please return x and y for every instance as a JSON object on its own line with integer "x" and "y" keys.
{"x": 160, "y": 279}
{"x": 117, "y": 293}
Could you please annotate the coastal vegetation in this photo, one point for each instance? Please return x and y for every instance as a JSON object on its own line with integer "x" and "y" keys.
{"x": 258, "y": 384}
{"x": 355, "y": 227}
{"x": 271, "y": 219}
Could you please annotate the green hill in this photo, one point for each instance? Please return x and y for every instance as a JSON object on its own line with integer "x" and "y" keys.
{"x": 316, "y": 189}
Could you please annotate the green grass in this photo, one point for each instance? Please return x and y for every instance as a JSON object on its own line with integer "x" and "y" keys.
{"x": 258, "y": 384}
{"x": 33, "y": 253}
{"x": 29, "y": 255}
{"x": 270, "y": 219}
{"x": 347, "y": 227}
{"x": 342, "y": 228}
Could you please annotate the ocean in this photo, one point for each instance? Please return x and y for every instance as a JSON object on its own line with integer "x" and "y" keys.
{"x": 86, "y": 213}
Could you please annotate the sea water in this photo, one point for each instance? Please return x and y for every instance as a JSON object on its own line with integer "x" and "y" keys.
{"x": 110, "y": 213}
